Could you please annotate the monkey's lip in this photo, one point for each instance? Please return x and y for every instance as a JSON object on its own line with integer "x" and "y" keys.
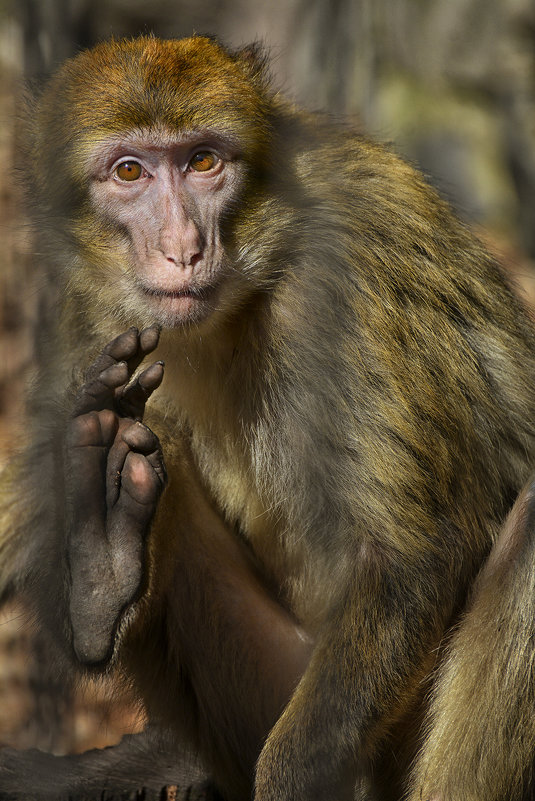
{"x": 174, "y": 307}
{"x": 197, "y": 293}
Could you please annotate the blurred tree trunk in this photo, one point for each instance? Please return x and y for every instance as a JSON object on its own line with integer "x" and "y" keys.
{"x": 452, "y": 83}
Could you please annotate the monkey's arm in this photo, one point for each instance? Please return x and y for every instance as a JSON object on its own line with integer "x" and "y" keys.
{"x": 218, "y": 613}
{"x": 240, "y": 650}
{"x": 490, "y": 752}
{"x": 365, "y": 667}
{"x": 218, "y": 610}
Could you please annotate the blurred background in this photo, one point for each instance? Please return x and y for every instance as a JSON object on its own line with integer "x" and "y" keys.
{"x": 451, "y": 83}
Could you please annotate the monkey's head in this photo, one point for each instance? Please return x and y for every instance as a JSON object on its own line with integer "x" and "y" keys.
{"x": 145, "y": 151}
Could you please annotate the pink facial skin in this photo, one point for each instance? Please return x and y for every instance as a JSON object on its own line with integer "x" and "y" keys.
{"x": 168, "y": 194}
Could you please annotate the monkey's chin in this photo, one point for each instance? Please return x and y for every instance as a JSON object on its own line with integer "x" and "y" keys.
{"x": 178, "y": 309}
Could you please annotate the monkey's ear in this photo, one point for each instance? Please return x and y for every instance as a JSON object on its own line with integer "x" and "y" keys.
{"x": 254, "y": 59}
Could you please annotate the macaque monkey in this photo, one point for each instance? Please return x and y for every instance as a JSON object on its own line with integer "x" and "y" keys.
{"x": 284, "y": 409}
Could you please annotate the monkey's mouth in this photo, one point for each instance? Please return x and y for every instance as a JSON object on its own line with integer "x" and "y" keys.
{"x": 199, "y": 294}
{"x": 174, "y": 307}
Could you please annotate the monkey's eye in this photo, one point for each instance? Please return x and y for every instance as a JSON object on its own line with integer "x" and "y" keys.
{"x": 203, "y": 161}
{"x": 128, "y": 171}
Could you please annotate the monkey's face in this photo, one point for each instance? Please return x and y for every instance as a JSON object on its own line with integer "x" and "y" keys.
{"x": 148, "y": 150}
{"x": 166, "y": 196}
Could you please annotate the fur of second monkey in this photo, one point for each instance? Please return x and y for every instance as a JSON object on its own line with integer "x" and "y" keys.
{"x": 358, "y": 408}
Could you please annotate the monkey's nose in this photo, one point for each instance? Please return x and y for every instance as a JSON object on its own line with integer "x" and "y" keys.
{"x": 188, "y": 259}
{"x": 181, "y": 244}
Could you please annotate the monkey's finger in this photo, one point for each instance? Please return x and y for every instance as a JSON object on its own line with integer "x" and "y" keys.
{"x": 156, "y": 460}
{"x": 130, "y": 347}
{"x": 149, "y": 338}
{"x": 92, "y": 429}
{"x": 140, "y": 438}
{"x": 140, "y": 489}
{"x": 133, "y": 398}
{"x": 115, "y": 463}
{"x": 99, "y": 393}
{"x": 132, "y": 437}
{"x": 147, "y": 341}
{"x": 88, "y": 440}
{"x": 121, "y": 349}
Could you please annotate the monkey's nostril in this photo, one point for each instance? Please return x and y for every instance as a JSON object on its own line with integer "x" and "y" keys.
{"x": 187, "y": 260}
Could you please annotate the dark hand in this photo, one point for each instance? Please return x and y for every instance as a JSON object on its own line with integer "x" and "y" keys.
{"x": 115, "y": 474}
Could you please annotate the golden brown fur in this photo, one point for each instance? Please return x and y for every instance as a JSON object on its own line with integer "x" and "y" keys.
{"x": 343, "y": 435}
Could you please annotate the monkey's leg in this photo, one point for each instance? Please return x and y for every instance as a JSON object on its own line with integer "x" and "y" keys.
{"x": 114, "y": 475}
{"x": 481, "y": 743}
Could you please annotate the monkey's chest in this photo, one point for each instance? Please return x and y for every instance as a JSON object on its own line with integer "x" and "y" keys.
{"x": 228, "y": 476}
{"x": 280, "y": 552}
